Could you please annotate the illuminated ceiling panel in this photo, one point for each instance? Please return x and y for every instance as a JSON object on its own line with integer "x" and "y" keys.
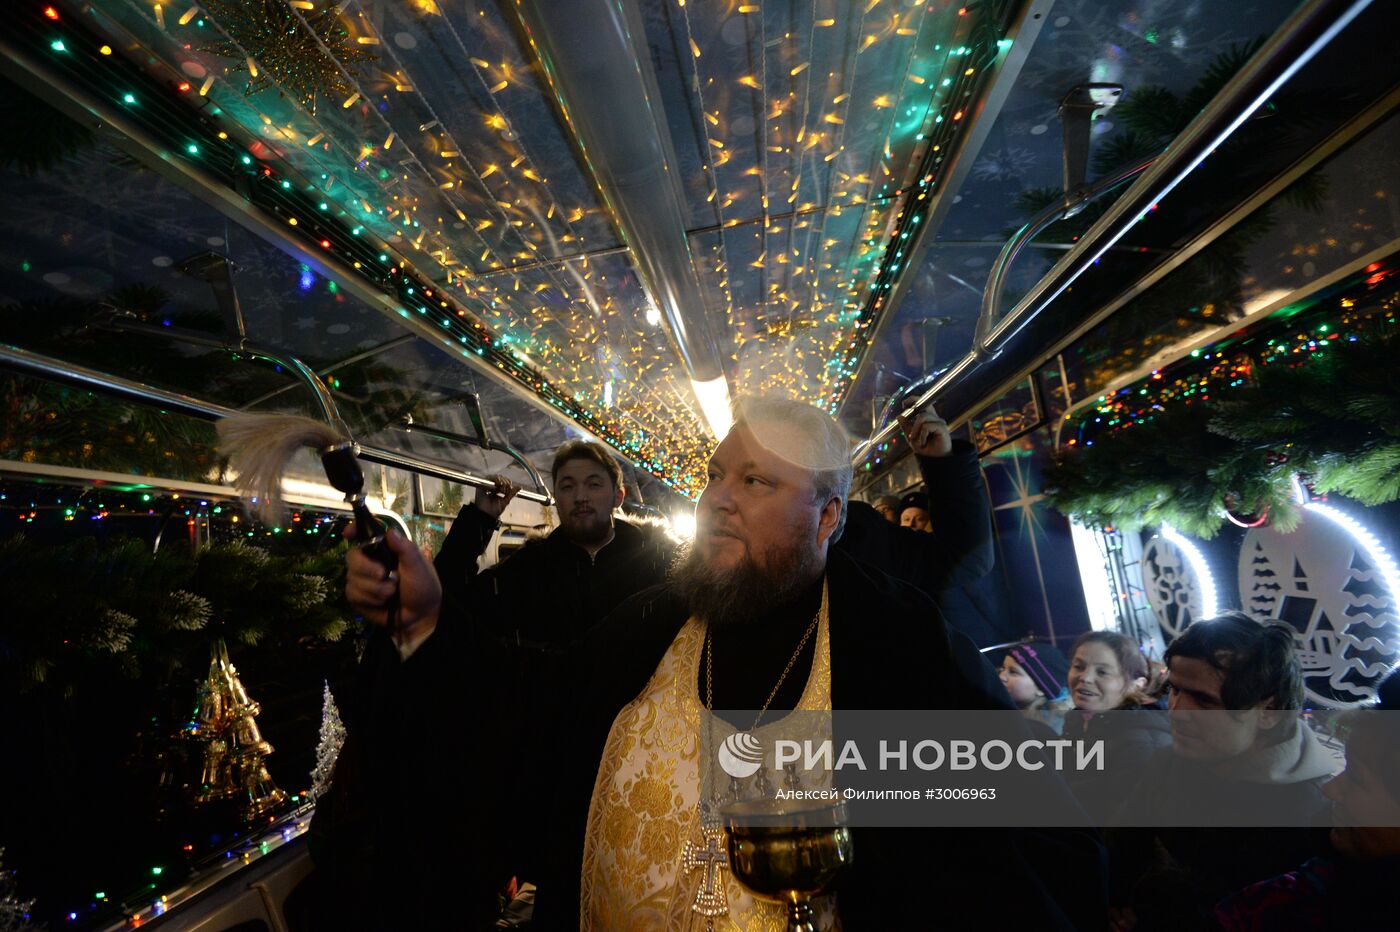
{"x": 417, "y": 143}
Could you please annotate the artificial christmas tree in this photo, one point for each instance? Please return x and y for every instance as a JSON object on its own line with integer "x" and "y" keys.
{"x": 328, "y": 748}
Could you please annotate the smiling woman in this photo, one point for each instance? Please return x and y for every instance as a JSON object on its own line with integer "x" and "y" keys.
{"x": 1108, "y": 680}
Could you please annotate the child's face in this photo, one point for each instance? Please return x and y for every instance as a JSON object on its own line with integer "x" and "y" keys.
{"x": 1018, "y": 683}
{"x": 1096, "y": 680}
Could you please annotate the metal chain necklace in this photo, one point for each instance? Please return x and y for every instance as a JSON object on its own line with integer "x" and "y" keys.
{"x": 709, "y": 856}
{"x": 710, "y": 670}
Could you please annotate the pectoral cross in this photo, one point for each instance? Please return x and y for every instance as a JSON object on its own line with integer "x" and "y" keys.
{"x": 709, "y": 899}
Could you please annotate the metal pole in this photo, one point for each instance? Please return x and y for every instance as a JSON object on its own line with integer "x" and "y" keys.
{"x": 1307, "y": 32}
{"x": 593, "y": 54}
{"x": 139, "y": 392}
{"x": 958, "y": 162}
{"x": 329, "y": 411}
{"x": 373, "y": 351}
{"x": 1078, "y": 200}
{"x": 408, "y": 426}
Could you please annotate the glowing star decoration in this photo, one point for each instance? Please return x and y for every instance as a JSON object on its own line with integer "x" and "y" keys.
{"x": 287, "y": 48}
{"x": 1179, "y": 584}
{"x": 1337, "y": 586}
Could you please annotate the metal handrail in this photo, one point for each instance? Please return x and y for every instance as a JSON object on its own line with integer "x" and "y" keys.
{"x": 593, "y": 57}
{"x": 1067, "y": 206}
{"x": 1072, "y": 203}
{"x": 329, "y": 410}
{"x": 127, "y": 322}
{"x": 408, "y": 426}
{"x": 350, "y": 360}
{"x": 1306, "y": 32}
{"x": 958, "y": 161}
{"x": 141, "y": 393}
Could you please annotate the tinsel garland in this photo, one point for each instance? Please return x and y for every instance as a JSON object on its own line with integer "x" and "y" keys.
{"x": 1334, "y": 418}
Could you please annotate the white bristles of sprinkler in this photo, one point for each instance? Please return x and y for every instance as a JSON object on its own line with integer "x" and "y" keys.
{"x": 259, "y": 446}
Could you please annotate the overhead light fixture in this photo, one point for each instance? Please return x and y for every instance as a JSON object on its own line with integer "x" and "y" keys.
{"x": 713, "y": 396}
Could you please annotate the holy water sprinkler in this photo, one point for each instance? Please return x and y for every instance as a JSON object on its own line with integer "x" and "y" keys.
{"x": 259, "y": 446}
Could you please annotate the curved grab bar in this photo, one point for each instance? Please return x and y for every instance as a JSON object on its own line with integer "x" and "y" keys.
{"x": 1069, "y": 205}
{"x": 408, "y": 426}
{"x": 1311, "y": 27}
{"x": 1072, "y": 203}
{"x": 118, "y": 320}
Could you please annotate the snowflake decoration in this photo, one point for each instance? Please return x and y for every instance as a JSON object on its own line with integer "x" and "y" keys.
{"x": 1004, "y": 165}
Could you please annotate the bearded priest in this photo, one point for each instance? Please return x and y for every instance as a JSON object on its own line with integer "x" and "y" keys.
{"x": 762, "y": 614}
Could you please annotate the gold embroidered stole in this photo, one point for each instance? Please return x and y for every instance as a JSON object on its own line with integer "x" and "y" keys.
{"x": 645, "y": 804}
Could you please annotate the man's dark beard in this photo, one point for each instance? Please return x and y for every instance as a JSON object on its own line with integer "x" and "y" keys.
{"x": 747, "y": 592}
{"x": 590, "y": 530}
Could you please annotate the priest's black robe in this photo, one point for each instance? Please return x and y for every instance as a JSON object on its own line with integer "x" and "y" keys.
{"x": 885, "y": 654}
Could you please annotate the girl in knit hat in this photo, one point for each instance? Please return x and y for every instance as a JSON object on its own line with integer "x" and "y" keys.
{"x": 1034, "y": 675}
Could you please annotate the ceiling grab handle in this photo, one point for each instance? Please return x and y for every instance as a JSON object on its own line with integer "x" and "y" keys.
{"x": 409, "y": 426}
{"x": 127, "y": 322}
{"x": 1076, "y": 112}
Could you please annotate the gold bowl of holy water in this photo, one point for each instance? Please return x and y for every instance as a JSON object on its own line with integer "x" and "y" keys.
{"x": 788, "y": 851}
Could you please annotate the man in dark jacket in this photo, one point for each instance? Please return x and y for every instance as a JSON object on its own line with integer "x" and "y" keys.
{"x": 531, "y": 609}
{"x": 1237, "y": 796}
{"x": 548, "y": 594}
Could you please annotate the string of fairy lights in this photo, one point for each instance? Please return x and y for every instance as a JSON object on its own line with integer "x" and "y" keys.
{"x": 464, "y": 227}
{"x": 33, "y": 505}
{"x": 1214, "y": 371}
{"x": 307, "y": 209}
{"x": 942, "y": 76}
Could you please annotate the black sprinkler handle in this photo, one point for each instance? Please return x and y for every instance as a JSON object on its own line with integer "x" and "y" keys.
{"x": 343, "y": 472}
{"x": 370, "y": 537}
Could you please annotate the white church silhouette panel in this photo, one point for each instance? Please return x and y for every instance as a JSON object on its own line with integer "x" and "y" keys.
{"x": 1318, "y": 579}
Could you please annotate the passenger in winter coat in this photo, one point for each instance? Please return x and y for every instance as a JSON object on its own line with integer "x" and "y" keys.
{"x": 550, "y": 592}
{"x": 1348, "y": 887}
{"x": 1108, "y": 677}
{"x": 1237, "y": 796}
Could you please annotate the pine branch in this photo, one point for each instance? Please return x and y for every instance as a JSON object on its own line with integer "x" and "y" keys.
{"x": 1333, "y": 417}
